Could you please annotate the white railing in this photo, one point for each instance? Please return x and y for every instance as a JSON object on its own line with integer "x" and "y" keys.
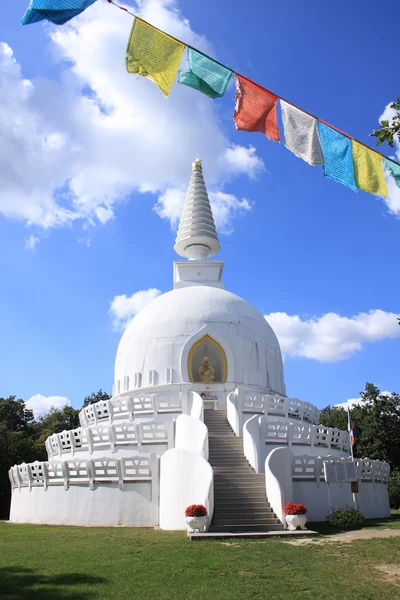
{"x": 261, "y": 432}
{"x": 373, "y": 470}
{"x": 278, "y": 432}
{"x": 111, "y": 436}
{"x": 129, "y": 407}
{"x": 142, "y": 468}
{"x": 312, "y": 467}
{"x": 245, "y": 402}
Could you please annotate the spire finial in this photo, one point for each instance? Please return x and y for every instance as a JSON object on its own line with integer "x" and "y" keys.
{"x": 197, "y": 237}
{"x": 197, "y": 164}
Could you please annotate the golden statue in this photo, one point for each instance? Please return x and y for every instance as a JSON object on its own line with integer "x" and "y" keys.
{"x": 206, "y": 371}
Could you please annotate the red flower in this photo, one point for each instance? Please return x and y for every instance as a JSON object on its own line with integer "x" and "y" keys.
{"x": 196, "y": 510}
{"x": 294, "y": 509}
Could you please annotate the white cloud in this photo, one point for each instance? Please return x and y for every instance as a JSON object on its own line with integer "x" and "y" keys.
{"x": 42, "y": 404}
{"x": 72, "y": 149}
{"x": 31, "y": 242}
{"x": 244, "y": 160}
{"x": 357, "y": 401}
{"x": 123, "y": 308}
{"x": 350, "y": 403}
{"x": 331, "y": 337}
{"x": 225, "y": 207}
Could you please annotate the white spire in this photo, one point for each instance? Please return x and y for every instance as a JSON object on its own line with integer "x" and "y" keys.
{"x": 197, "y": 237}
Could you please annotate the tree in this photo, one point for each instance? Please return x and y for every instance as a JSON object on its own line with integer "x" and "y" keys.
{"x": 389, "y": 129}
{"x": 334, "y": 416}
{"x": 96, "y": 397}
{"x": 16, "y": 443}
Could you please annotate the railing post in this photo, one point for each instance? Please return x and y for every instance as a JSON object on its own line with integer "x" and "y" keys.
{"x": 110, "y": 411}
{"x": 59, "y": 443}
{"x": 170, "y": 434}
{"x": 91, "y": 473}
{"x": 72, "y": 442}
{"x": 155, "y": 486}
{"x": 154, "y": 404}
{"x": 45, "y": 477}
{"x": 65, "y": 472}
{"x": 314, "y": 430}
{"x": 131, "y": 408}
{"x": 138, "y": 433}
{"x": 89, "y": 437}
{"x": 112, "y": 436}
{"x": 120, "y": 474}
{"x": 290, "y": 435}
{"x": 18, "y": 477}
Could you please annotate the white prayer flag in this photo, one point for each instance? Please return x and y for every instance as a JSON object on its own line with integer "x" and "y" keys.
{"x": 301, "y": 134}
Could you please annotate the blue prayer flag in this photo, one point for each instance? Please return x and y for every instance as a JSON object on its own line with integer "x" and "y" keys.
{"x": 56, "y": 11}
{"x": 338, "y": 156}
{"x": 205, "y": 75}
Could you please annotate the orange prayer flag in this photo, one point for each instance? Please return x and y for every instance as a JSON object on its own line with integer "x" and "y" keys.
{"x": 255, "y": 109}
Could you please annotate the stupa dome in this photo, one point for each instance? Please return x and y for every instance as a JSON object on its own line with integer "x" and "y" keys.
{"x": 156, "y": 345}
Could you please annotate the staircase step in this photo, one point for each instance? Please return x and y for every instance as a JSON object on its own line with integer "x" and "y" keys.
{"x": 260, "y": 520}
{"x": 247, "y": 528}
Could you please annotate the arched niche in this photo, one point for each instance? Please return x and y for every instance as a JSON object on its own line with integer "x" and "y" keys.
{"x": 207, "y": 361}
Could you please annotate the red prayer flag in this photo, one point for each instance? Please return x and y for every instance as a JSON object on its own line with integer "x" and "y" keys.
{"x": 255, "y": 109}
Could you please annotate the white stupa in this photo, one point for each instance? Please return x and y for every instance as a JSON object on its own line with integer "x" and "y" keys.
{"x": 199, "y": 415}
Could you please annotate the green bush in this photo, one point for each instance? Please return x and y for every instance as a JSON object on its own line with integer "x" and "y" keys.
{"x": 394, "y": 489}
{"x": 346, "y": 519}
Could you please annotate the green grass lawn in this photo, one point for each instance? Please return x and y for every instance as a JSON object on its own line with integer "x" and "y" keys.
{"x": 82, "y": 564}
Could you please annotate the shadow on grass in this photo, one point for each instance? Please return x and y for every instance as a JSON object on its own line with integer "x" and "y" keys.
{"x": 20, "y": 583}
{"x": 325, "y": 529}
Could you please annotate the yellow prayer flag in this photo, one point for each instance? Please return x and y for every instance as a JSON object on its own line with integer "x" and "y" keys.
{"x": 153, "y": 54}
{"x": 368, "y": 170}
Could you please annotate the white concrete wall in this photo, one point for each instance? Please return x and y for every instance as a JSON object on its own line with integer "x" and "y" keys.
{"x": 185, "y": 478}
{"x": 136, "y": 505}
{"x": 373, "y": 498}
{"x": 191, "y": 434}
{"x": 278, "y": 481}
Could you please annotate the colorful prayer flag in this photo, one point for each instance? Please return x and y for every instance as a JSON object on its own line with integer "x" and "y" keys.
{"x": 368, "y": 170}
{"x": 301, "y": 134}
{"x": 205, "y": 75}
{"x": 153, "y": 54}
{"x": 394, "y": 170}
{"x": 255, "y": 109}
{"x": 338, "y": 156}
{"x": 56, "y": 11}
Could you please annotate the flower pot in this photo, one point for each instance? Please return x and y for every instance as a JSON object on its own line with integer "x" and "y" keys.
{"x": 295, "y": 521}
{"x": 199, "y": 523}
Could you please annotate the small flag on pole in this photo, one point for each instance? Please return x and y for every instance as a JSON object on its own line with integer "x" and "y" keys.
{"x": 351, "y": 429}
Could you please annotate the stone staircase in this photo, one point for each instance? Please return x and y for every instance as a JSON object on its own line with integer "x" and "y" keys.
{"x": 240, "y": 503}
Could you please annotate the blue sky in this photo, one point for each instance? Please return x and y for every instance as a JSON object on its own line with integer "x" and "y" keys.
{"x": 87, "y": 151}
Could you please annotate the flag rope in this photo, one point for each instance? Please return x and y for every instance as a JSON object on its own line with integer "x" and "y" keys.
{"x": 254, "y": 82}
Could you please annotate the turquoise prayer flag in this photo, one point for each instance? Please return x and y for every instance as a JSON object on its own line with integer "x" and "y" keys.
{"x": 338, "y": 156}
{"x": 394, "y": 170}
{"x": 205, "y": 75}
{"x": 56, "y": 11}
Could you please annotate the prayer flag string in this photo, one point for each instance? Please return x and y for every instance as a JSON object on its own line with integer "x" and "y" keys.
{"x": 154, "y": 54}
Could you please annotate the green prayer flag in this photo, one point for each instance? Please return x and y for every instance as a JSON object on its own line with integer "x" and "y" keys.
{"x": 205, "y": 75}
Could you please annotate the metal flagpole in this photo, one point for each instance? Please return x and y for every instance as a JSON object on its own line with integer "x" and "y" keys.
{"x": 350, "y": 430}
